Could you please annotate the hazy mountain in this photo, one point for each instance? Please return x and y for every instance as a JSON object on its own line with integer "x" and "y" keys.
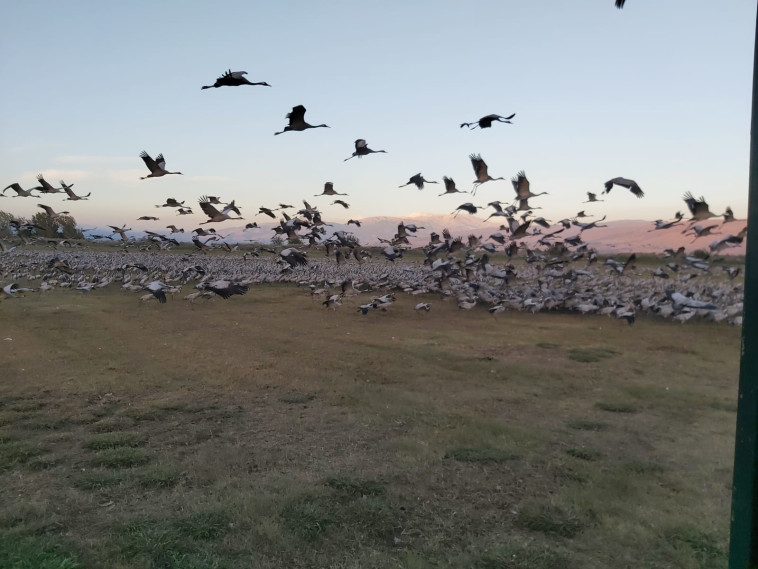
{"x": 622, "y": 236}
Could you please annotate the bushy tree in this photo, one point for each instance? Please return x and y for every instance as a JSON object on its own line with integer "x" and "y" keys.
{"x": 63, "y": 226}
{"x": 5, "y": 225}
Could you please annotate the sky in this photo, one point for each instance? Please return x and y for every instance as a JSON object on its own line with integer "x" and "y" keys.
{"x": 658, "y": 92}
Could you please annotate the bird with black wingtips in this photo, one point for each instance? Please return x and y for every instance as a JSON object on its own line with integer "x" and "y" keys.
{"x": 49, "y": 211}
{"x": 71, "y": 195}
{"x": 293, "y": 257}
{"x": 630, "y": 185}
{"x": 329, "y": 191}
{"x": 224, "y": 288}
{"x": 591, "y": 198}
{"x": 46, "y": 187}
{"x": 171, "y": 202}
{"x": 214, "y": 215}
{"x": 362, "y": 149}
{"x": 20, "y": 192}
{"x": 233, "y": 79}
{"x": 481, "y": 172}
{"x": 486, "y": 122}
{"x": 157, "y": 167}
{"x": 450, "y": 187}
{"x": 417, "y": 180}
{"x": 297, "y": 121}
{"x": 522, "y": 187}
{"x": 698, "y": 208}
{"x": 158, "y": 289}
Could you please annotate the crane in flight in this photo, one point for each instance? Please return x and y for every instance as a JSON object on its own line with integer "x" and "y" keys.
{"x": 297, "y": 121}
{"x": 233, "y": 79}
{"x": 486, "y": 122}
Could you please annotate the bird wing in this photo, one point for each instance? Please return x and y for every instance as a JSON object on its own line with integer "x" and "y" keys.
{"x": 521, "y": 185}
{"x": 208, "y": 209}
{"x": 360, "y": 143}
{"x": 149, "y": 162}
{"x": 296, "y": 115}
{"x": 160, "y": 161}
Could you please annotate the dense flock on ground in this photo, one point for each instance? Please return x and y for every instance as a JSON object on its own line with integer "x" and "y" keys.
{"x": 349, "y": 277}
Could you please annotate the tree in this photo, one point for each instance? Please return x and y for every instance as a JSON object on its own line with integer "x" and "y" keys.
{"x": 63, "y": 226}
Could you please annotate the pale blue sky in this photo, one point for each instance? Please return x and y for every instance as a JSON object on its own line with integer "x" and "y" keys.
{"x": 658, "y": 92}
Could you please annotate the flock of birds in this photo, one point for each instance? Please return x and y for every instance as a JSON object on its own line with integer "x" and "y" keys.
{"x": 555, "y": 273}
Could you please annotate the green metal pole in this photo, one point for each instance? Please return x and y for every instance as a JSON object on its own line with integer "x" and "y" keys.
{"x": 743, "y": 546}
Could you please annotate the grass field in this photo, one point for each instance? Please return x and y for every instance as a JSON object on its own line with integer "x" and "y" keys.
{"x": 266, "y": 431}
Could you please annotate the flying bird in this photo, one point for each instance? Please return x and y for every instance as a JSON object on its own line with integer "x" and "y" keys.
{"x": 224, "y": 288}
{"x": 71, "y": 195}
{"x": 361, "y": 149}
{"x": 158, "y": 289}
{"x": 233, "y": 79}
{"x": 297, "y": 121}
{"x": 418, "y": 180}
{"x": 20, "y": 192}
{"x": 157, "y": 167}
{"x": 450, "y": 187}
{"x": 50, "y": 211}
{"x": 147, "y": 218}
{"x": 631, "y": 185}
{"x": 486, "y": 122}
{"x": 293, "y": 257}
{"x": 521, "y": 187}
{"x": 329, "y": 191}
{"x": 46, "y": 187}
{"x": 480, "y": 170}
{"x": 698, "y": 208}
{"x": 214, "y": 215}
{"x": 467, "y": 207}
{"x": 592, "y": 198}
{"x": 171, "y": 202}
{"x": 340, "y": 202}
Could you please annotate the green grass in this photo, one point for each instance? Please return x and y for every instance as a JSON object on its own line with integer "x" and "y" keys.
{"x": 120, "y": 457}
{"x": 589, "y": 455}
{"x": 36, "y": 552}
{"x": 115, "y": 439}
{"x": 553, "y": 519}
{"x": 480, "y": 454}
{"x": 432, "y": 442}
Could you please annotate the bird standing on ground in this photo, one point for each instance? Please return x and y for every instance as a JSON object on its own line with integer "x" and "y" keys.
{"x": 486, "y": 122}
{"x": 297, "y": 121}
{"x": 361, "y": 149}
{"x": 233, "y": 79}
{"x": 157, "y": 167}
{"x": 631, "y": 185}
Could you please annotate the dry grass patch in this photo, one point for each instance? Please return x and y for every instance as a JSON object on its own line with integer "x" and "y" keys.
{"x": 160, "y": 460}
{"x": 121, "y": 457}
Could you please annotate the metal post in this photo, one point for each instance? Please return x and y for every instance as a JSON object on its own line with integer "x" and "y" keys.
{"x": 743, "y": 546}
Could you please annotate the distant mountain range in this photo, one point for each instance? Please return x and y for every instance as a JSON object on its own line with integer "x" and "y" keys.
{"x": 622, "y": 236}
